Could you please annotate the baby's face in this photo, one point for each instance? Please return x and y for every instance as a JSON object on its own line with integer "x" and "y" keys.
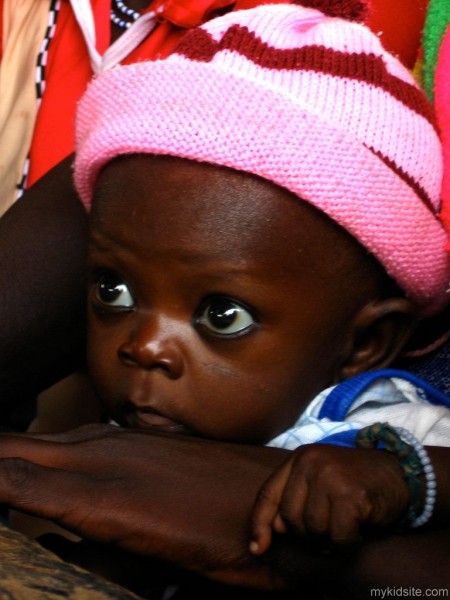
{"x": 218, "y": 304}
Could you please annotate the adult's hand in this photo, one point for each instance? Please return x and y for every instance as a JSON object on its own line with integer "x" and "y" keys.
{"x": 188, "y": 502}
{"x": 184, "y": 500}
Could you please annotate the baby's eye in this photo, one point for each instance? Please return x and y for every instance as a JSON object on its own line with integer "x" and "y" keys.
{"x": 224, "y": 316}
{"x": 111, "y": 290}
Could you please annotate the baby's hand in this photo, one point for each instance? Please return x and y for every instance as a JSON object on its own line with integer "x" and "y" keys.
{"x": 329, "y": 490}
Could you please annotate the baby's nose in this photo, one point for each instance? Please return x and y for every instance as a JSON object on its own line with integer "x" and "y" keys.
{"x": 153, "y": 345}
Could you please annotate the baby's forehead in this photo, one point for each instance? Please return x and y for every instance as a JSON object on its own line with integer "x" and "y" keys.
{"x": 187, "y": 193}
{"x": 233, "y": 213}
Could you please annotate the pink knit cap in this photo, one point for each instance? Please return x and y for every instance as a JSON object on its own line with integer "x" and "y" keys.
{"x": 311, "y": 102}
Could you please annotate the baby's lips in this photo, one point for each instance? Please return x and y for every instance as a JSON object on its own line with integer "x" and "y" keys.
{"x": 148, "y": 419}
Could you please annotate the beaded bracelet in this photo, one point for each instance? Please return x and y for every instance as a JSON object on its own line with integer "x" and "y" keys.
{"x": 413, "y": 459}
{"x": 429, "y": 474}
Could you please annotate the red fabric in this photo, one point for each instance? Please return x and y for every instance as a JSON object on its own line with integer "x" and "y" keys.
{"x": 67, "y": 73}
{"x": 188, "y": 14}
{"x": 400, "y": 23}
{"x": 68, "y": 69}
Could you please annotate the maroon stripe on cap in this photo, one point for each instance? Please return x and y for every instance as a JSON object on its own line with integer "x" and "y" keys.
{"x": 199, "y": 45}
{"x": 418, "y": 189}
{"x": 352, "y": 10}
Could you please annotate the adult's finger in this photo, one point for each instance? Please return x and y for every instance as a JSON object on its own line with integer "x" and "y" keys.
{"x": 65, "y": 497}
{"x": 62, "y": 451}
{"x": 82, "y": 433}
{"x": 90, "y": 447}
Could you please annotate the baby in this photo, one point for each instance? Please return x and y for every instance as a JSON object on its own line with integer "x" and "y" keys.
{"x": 264, "y": 226}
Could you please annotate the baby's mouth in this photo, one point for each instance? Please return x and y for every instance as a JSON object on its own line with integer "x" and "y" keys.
{"x": 146, "y": 418}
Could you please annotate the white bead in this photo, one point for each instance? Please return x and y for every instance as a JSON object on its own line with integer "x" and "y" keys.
{"x": 129, "y": 12}
{"x": 430, "y": 477}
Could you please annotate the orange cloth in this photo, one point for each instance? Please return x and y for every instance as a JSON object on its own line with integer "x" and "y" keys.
{"x": 22, "y": 27}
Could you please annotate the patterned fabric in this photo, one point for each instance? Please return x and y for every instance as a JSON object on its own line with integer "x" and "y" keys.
{"x": 393, "y": 400}
{"x": 434, "y": 368}
{"x": 23, "y": 26}
{"x": 40, "y": 72}
{"x": 310, "y": 102}
{"x": 30, "y": 572}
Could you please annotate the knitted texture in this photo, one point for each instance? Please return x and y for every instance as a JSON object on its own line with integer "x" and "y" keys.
{"x": 353, "y": 10}
{"x": 310, "y": 102}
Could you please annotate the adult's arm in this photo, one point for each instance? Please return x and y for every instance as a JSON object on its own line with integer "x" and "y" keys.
{"x": 42, "y": 296}
{"x": 189, "y": 501}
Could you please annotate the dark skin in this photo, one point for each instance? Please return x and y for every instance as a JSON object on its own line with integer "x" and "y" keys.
{"x": 237, "y": 310}
{"x": 217, "y": 306}
{"x": 329, "y": 492}
{"x": 43, "y": 306}
{"x": 47, "y": 228}
{"x": 156, "y": 490}
{"x": 428, "y": 551}
{"x": 151, "y": 509}
{"x": 48, "y": 218}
